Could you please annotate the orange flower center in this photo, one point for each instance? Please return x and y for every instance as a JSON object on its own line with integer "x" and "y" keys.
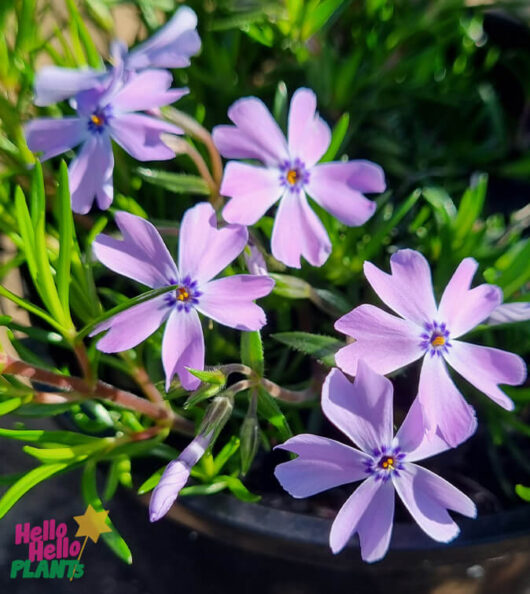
{"x": 438, "y": 341}
{"x": 388, "y": 463}
{"x": 97, "y": 120}
{"x": 182, "y": 294}
{"x": 292, "y": 176}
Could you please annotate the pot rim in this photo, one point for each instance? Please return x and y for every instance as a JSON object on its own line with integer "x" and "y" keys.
{"x": 304, "y": 538}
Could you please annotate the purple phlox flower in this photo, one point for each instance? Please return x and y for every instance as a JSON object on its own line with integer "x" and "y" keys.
{"x": 105, "y": 113}
{"x": 363, "y": 412}
{"x": 387, "y": 342}
{"x": 508, "y": 313}
{"x": 290, "y": 172}
{"x": 204, "y": 251}
{"x": 175, "y": 476}
{"x": 170, "y": 47}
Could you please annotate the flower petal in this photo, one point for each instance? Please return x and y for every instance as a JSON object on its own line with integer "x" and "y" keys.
{"x": 310, "y": 239}
{"x": 139, "y": 135}
{"x": 255, "y": 121}
{"x": 486, "y": 367}
{"x": 309, "y": 135}
{"x": 442, "y": 404}
{"x": 105, "y": 193}
{"x": 146, "y": 90}
{"x": 508, "y": 313}
{"x": 329, "y": 186}
{"x": 53, "y": 136}
{"x": 416, "y": 441}
{"x": 362, "y": 410}
{"x": 383, "y": 340}
{"x": 233, "y": 144}
{"x": 53, "y": 84}
{"x": 347, "y": 520}
{"x": 171, "y": 46}
{"x": 229, "y": 301}
{"x": 183, "y": 346}
{"x": 322, "y": 464}
{"x": 205, "y": 250}
{"x": 89, "y": 172}
{"x": 427, "y": 496}
{"x": 462, "y": 308}
{"x": 140, "y": 255}
{"x": 375, "y": 526}
{"x": 132, "y": 326}
{"x": 410, "y": 270}
{"x": 175, "y": 476}
{"x": 253, "y": 190}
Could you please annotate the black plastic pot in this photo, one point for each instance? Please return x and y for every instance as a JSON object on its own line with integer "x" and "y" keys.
{"x": 492, "y": 553}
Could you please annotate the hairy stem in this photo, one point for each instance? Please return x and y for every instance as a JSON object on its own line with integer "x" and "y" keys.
{"x": 235, "y": 368}
{"x": 195, "y": 130}
{"x": 140, "y": 376}
{"x": 84, "y": 362}
{"x": 287, "y": 395}
{"x": 181, "y": 147}
{"x": 100, "y": 389}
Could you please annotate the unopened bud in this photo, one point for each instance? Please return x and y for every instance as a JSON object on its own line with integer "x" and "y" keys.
{"x": 217, "y": 414}
{"x": 249, "y": 436}
{"x": 291, "y": 287}
{"x": 255, "y": 261}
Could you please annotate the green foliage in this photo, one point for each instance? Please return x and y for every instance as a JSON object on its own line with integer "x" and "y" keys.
{"x": 523, "y": 492}
{"x": 177, "y": 183}
{"x": 112, "y": 539}
{"x": 321, "y": 347}
{"x": 429, "y": 91}
{"x": 252, "y": 352}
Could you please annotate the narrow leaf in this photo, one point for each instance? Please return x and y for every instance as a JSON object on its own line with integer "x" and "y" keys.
{"x": 66, "y": 230}
{"x": 252, "y": 351}
{"x": 178, "y": 183}
{"x": 45, "y": 282}
{"x": 337, "y": 138}
{"x": 238, "y": 489}
{"x": 319, "y": 346}
{"x": 268, "y": 409}
{"x": 112, "y": 539}
{"x": 27, "y": 482}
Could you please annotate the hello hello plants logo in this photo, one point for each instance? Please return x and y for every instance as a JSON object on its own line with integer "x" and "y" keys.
{"x": 50, "y": 552}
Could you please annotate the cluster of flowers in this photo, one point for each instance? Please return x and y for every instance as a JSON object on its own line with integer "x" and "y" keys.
{"x": 439, "y": 418}
{"x": 107, "y": 104}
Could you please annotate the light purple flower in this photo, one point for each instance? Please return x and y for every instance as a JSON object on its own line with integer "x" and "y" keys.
{"x": 170, "y": 47}
{"x": 105, "y": 113}
{"x": 363, "y": 412}
{"x": 204, "y": 251}
{"x": 387, "y": 342}
{"x": 290, "y": 172}
{"x": 175, "y": 476}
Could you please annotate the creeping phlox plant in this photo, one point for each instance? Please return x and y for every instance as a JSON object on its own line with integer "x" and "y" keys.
{"x": 199, "y": 268}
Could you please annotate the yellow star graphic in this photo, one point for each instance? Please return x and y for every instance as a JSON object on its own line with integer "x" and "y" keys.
{"x": 92, "y": 523}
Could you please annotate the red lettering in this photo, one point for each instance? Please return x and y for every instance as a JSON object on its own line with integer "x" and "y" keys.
{"x": 22, "y": 534}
